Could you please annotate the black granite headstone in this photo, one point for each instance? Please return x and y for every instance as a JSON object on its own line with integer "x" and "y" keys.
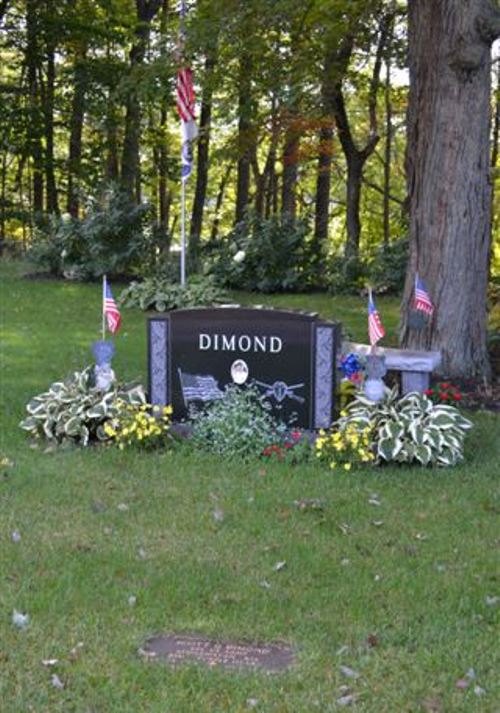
{"x": 288, "y": 356}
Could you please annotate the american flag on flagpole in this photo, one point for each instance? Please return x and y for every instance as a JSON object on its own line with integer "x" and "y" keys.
{"x": 186, "y": 107}
{"x": 375, "y": 327}
{"x": 110, "y": 309}
{"x": 422, "y": 301}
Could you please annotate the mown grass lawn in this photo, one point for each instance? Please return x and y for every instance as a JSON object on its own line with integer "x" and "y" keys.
{"x": 99, "y": 526}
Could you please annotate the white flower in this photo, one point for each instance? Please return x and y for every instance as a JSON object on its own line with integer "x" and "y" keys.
{"x": 66, "y": 217}
{"x": 240, "y": 256}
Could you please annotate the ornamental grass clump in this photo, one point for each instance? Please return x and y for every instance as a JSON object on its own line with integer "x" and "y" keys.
{"x": 347, "y": 447}
{"x": 409, "y": 429}
{"x": 132, "y": 425}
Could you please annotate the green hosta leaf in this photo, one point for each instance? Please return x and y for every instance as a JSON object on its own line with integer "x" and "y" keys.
{"x": 73, "y": 426}
{"x": 443, "y": 420}
{"x": 388, "y": 448}
{"x": 392, "y": 430}
{"x": 84, "y": 435}
{"x": 447, "y": 457}
{"x": 36, "y": 405}
{"x": 29, "y": 424}
{"x": 423, "y": 454}
{"x": 48, "y": 429}
{"x": 97, "y": 411}
{"x": 417, "y": 432}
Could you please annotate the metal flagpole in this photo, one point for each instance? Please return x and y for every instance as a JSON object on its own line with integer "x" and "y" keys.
{"x": 183, "y": 232}
{"x": 103, "y": 303}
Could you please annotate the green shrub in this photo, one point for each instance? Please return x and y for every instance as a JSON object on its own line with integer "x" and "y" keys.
{"x": 387, "y": 266}
{"x": 384, "y": 268}
{"x": 75, "y": 411}
{"x": 237, "y": 425}
{"x": 409, "y": 429}
{"x": 113, "y": 238}
{"x": 160, "y": 294}
{"x": 273, "y": 255}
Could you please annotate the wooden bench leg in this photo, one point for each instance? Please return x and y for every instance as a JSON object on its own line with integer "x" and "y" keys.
{"x": 415, "y": 381}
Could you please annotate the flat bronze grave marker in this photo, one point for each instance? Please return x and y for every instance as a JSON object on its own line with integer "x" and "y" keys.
{"x": 182, "y": 648}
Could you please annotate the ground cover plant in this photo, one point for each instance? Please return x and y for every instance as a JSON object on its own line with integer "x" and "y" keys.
{"x": 388, "y": 584}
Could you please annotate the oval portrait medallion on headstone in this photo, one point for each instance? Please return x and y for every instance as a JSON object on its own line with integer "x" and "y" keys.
{"x": 239, "y": 371}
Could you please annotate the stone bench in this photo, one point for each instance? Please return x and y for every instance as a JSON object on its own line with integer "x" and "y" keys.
{"x": 415, "y": 366}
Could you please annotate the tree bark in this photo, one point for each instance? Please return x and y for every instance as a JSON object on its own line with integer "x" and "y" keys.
{"x": 200, "y": 190}
{"x": 448, "y": 164}
{"x": 245, "y": 139}
{"x": 52, "y": 203}
{"x": 130, "y": 165}
{"x": 34, "y": 129}
{"x": 218, "y": 203}
{"x": 76, "y": 130}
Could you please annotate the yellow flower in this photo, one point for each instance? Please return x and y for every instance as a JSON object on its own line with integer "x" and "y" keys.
{"x": 347, "y": 466}
{"x": 343, "y": 413}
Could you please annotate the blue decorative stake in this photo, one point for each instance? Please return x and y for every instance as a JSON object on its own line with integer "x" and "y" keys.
{"x": 104, "y": 375}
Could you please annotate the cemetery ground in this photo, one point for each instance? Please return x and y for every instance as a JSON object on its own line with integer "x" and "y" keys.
{"x": 389, "y": 592}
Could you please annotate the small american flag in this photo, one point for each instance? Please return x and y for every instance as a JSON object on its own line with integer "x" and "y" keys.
{"x": 375, "y": 327}
{"x": 422, "y": 299}
{"x": 111, "y": 312}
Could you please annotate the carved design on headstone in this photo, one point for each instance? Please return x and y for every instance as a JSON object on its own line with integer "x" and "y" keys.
{"x": 158, "y": 336}
{"x": 181, "y": 648}
{"x": 280, "y": 390}
{"x": 324, "y": 377}
{"x": 196, "y": 387}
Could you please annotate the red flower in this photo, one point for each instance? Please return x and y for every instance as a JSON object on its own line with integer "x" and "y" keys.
{"x": 457, "y": 396}
{"x": 296, "y": 435}
{"x": 445, "y": 385}
{"x": 443, "y": 395}
{"x": 289, "y": 445}
{"x": 429, "y": 392}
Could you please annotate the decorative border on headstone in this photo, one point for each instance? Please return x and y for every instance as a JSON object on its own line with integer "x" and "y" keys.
{"x": 324, "y": 375}
{"x": 158, "y": 361}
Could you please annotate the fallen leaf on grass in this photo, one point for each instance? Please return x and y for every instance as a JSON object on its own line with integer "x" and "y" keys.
{"x": 265, "y": 584}
{"x": 344, "y": 528}
{"x": 343, "y": 650}
{"x": 346, "y": 700}
{"x": 75, "y": 651}
{"x": 309, "y": 504}
{"x": 122, "y": 507}
{"x": 56, "y": 682}
{"x": 141, "y": 553}
{"x": 49, "y": 662}
{"x": 15, "y": 536}
{"x": 432, "y": 705}
{"x": 279, "y": 566}
{"x": 374, "y": 501}
{"x": 147, "y": 654}
{"x": 372, "y": 640}
{"x": 132, "y": 600}
{"x": 218, "y": 515}
{"x": 349, "y": 672}
{"x": 479, "y": 691}
{"x": 6, "y": 462}
{"x": 492, "y": 601}
{"x": 421, "y": 536}
{"x": 462, "y": 683}
{"x": 20, "y": 620}
{"x": 252, "y": 702}
{"x": 377, "y": 523}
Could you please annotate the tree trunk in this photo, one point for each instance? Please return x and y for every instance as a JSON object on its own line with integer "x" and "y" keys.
{"x": 448, "y": 163}
{"x": 387, "y": 149}
{"x": 75, "y": 131}
{"x": 245, "y": 139}
{"x": 323, "y": 182}
{"x": 290, "y": 166}
{"x": 52, "y": 204}
{"x": 130, "y": 166}
{"x": 218, "y": 202}
{"x": 34, "y": 129}
{"x": 200, "y": 190}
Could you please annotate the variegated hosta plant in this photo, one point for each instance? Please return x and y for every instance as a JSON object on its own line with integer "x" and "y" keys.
{"x": 75, "y": 410}
{"x": 410, "y": 428}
